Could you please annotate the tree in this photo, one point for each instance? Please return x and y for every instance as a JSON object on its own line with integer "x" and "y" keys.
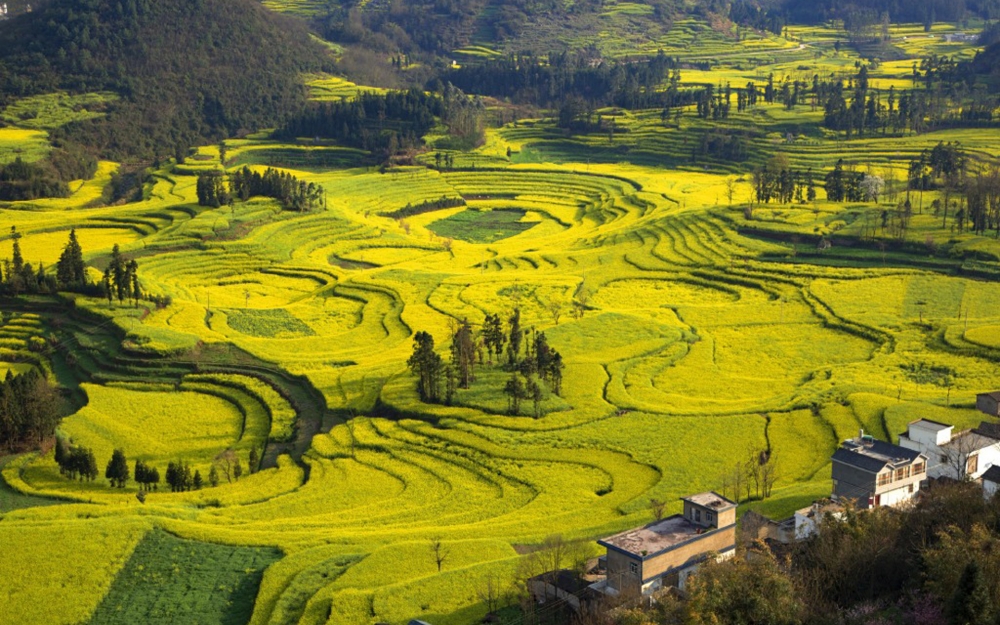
{"x": 463, "y": 354}
{"x": 439, "y": 551}
{"x": 226, "y": 460}
{"x": 427, "y": 365}
{"x": 237, "y": 469}
{"x": 71, "y": 270}
{"x": 748, "y": 588}
{"x": 117, "y": 469}
{"x": 254, "y": 460}
{"x": 213, "y": 476}
{"x": 534, "y": 391}
{"x": 730, "y": 189}
{"x": 970, "y": 605}
{"x": 197, "y": 481}
{"x": 515, "y": 335}
{"x": 515, "y": 391}
{"x": 657, "y": 506}
{"x": 872, "y": 187}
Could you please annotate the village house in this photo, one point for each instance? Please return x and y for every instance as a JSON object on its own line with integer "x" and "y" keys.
{"x": 989, "y": 403}
{"x": 664, "y": 553}
{"x": 966, "y": 455}
{"x": 874, "y": 473}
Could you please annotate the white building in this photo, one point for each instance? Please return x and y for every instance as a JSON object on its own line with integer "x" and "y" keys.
{"x": 809, "y": 519}
{"x": 965, "y": 455}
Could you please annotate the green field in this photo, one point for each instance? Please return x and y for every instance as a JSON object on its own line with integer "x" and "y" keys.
{"x": 692, "y": 333}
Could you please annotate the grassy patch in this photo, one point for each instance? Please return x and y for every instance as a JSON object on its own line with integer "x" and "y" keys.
{"x": 270, "y": 324}
{"x": 482, "y": 226}
{"x": 171, "y": 580}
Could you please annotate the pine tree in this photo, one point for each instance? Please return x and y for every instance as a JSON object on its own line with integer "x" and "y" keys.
{"x": 254, "y": 460}
{"x": 197, "y": 480}
{"x": 970, "y": 605}
{"x": 213, "y": 476}
{"x": 427, "y": 365}
{"x": 117, "y": 469}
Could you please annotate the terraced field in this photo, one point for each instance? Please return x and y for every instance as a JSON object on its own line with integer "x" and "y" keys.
{"x": 700, "y": 337}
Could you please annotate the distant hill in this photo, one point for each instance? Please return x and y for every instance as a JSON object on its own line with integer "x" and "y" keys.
{"x": 188, "y": 71}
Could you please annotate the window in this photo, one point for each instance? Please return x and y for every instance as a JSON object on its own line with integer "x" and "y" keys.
{"x": 944, "y": 458}
{"x": 911, "y": 488}
{"x": 709, "y": 517}
{"x": 697, "y": 515}
{"x": 884, "y": 478}
{"x": 633, "y": 568}
{"x": 918, "y": 468}
{"x": 902, "y": 473}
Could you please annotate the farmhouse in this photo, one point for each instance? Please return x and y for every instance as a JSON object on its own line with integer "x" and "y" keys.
{"x": 874, "y": 473}
{"x": 989, "y": 403}
{"x": 809, "y": 519}
{"x": 665, "y": 552}
{"x": 966, "y": 455}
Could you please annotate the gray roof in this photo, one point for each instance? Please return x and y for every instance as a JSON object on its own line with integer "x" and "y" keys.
{"x": 992, "y": 395}
{"x": 874, "y": 455}
{"x": 711, "y": 499}
{"x": 989, "y": 430}
{"x": 937, "y": 426}
{"x": 992, "y": 474}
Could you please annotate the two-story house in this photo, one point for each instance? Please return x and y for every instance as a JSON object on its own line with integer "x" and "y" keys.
{"x": 965, "y": 455}
{"x": 664, "y": 553}
{"x": 874, "y": 473}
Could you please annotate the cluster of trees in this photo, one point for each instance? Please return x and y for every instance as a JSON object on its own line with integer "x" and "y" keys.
{"x": 383, "y": 124}
{"x": 79, "y": 462}
{"x": 524, "y": 352}
{"x": 777, "y": 180}
{"x": 726, "y": 145}
{"x": 430, "y": 205}
{"x": 121, "y": 278}
{"x": 843, "y": 184}
{"x": 294, "y": 194}
{"x": 76, "y": 461}
{"x": 752, "y": 478}
{"x": 937, "y": 563}
{"x": 20, "y": 180}
{"x": 18, "y": 276}
{"x": 29, "y": 410}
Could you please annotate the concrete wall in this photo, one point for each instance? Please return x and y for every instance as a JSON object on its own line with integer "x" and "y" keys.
{"x": 621, "y": 578}
{"x": 987, "y": 404}
{"x": 990, "y": 489}
{"x": 717, "y": 540}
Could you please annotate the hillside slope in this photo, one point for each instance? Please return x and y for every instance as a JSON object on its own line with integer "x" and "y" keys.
{"x": 188, "y": 71}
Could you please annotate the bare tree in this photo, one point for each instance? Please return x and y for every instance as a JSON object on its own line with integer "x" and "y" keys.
{"x": 439, "y": 551}
{"x": 960, "y": 455}
{"x": 730, "y": 189}
{"x": 768, "y": 474}
{"x": 490, "y": 592}
{"x": 556, "y": 306}
{"x": 657, "y": 506}
{"x": 226, "y": 461}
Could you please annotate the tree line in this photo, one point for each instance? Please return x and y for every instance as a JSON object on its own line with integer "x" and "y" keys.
{"x": 21, "y": 181}
{"x": 524, "y": 352}
{"x": 79, "y": 462}
{"x": 379, "y": 123}
{"x": 18, "y": 276}
{"x": 558, "y": 77}
{"x": 213, "y": 189}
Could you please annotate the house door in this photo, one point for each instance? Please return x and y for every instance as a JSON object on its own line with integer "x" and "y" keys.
{"x": 878, "y": 500}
